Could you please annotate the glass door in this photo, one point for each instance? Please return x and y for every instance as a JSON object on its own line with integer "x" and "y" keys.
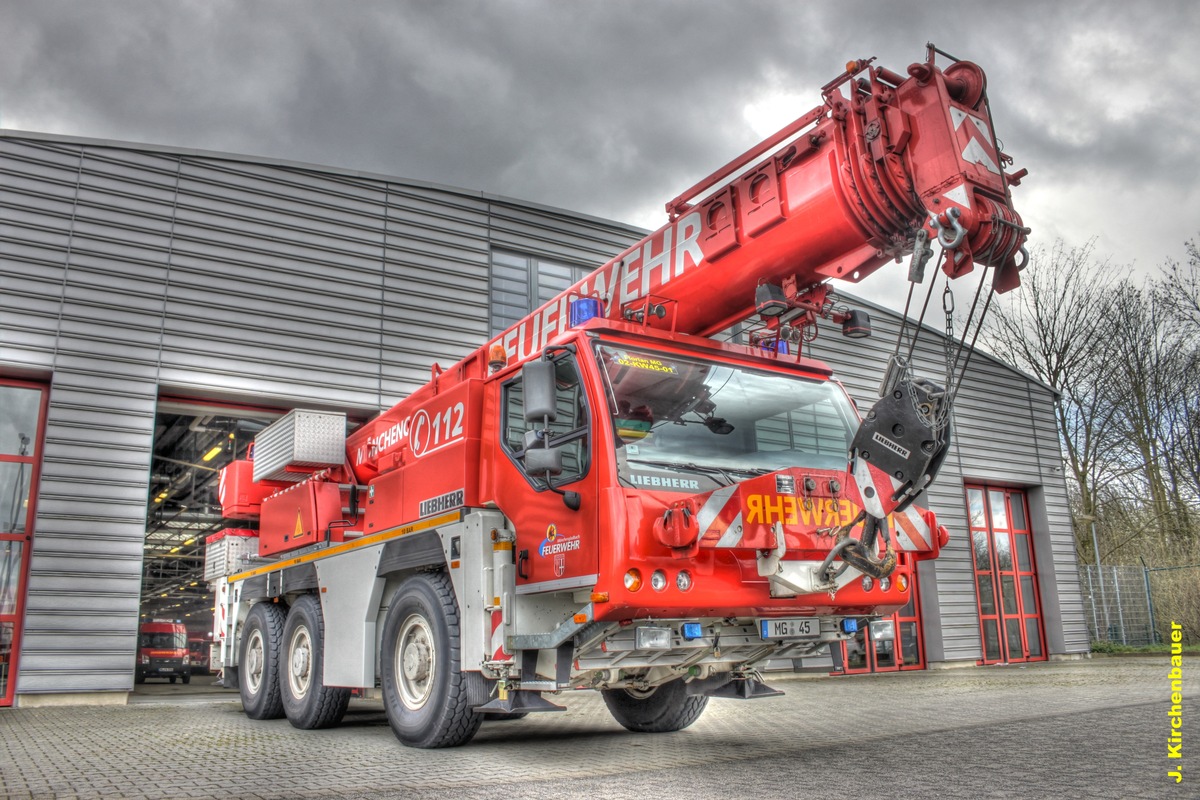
{"x": 888, "y": 644}
{"x": 1010, "y": 617}
{"x": 22, "y": 412}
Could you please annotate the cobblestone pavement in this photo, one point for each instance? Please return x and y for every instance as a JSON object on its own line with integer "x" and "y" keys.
{"x": 1094, "y": 728}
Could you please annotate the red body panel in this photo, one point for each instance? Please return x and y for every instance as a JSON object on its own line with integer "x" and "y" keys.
{"x": 301, "y": 515}
{"x": 240, "y": 496}
{"x": 421, "y": 458}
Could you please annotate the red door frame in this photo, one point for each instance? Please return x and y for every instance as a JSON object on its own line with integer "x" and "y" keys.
{"x": 910, "y": 615}
{"x": 24, "y": 537}
{"x": 1006, "y": 591}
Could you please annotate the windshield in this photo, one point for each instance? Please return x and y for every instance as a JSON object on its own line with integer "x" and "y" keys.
{"x": 689, "y": 425}
{"x": 164, "y": 641}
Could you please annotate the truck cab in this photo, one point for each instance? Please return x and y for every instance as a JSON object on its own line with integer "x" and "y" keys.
{"x": 163, "y": 652}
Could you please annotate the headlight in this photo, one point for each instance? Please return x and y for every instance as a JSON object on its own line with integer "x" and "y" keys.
{"x": 652, "y": 639}
{"x": 658, "y": 581}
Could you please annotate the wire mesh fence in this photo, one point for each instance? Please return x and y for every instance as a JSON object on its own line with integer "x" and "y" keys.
{"x": 1118, "y": 604}
{"x": 1132, "y": 605}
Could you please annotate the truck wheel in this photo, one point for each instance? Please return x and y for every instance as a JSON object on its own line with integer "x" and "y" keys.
{"x": 661, "y": 710}
{"x": 172, "y": 679}
{"x": 261, "y": 638}
{"x": 307, "y": 701}
{"x": 428, "y": 698}
{"x": 186, "y": 678}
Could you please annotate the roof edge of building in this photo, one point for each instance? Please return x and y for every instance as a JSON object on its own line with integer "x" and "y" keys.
{"x": 118, "y": 144}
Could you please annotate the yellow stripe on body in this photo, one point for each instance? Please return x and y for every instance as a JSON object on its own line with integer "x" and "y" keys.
{"x": 366, "y": 541}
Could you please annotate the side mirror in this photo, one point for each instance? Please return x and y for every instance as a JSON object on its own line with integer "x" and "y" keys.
{"x": 538, "y": 393}
{"x": 542, "y": 461}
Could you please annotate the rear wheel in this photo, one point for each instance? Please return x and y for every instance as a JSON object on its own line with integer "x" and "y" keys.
{"x": 428, "y": 698}
{"x": 186, "y": 678}
{"x": 172, "y": 679}
{"x": 660, "y": 710}
{"x": 307, "y": 701}
{"x": 257, "y": 672}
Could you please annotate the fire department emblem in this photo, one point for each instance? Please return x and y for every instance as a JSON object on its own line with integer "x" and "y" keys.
{"x": 560, "y": 565}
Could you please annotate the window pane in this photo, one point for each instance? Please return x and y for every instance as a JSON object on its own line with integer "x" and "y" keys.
{"x": 991, "y": 640}
{"x": 1015, "y": 650}
{"x": 1034, "y": 637}
{"x": 1003, "y": 550}
{"x": 979, "y": 540}
{"x": 6, "y": 647}
{"x": 1016, "y": 502}
{"x": 1023, "y": 560}
{"x": 1028, "y": 596}
{"x": 14, "y": 496}
{"x": 10, "y": 576}
{"x": 856, "y": 653}
{"x": 987, "y": 598}
{"x": 19, "y": 409}
{"x": 975, "y": 508}
{"x": 1008, "y": 592}
{"x": 910, "y": 647}
{"x": 999, "y": 513}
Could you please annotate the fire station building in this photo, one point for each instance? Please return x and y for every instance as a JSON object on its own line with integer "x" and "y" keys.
{"x": 160, "y": 306}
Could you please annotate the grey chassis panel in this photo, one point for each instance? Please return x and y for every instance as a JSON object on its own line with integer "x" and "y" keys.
{"x": 417, "y": 550}
{"x": 300, "y": 578}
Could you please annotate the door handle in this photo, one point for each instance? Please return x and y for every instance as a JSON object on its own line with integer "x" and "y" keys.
{"x": 523, "y": 564}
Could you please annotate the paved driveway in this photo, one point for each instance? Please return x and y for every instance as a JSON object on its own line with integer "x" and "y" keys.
{"x": 1095, "y": 728}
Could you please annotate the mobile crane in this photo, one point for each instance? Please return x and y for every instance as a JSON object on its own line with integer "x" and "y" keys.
{"x": 603, "y": 496}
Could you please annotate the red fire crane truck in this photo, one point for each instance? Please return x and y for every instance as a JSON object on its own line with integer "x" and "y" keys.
{"x": 603, "y": 496}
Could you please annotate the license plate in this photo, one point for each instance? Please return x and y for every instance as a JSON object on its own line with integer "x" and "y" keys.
{"x": 796, "y": 628}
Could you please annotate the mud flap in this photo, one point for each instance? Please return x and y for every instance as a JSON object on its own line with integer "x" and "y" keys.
{"x": 518, "y": 703}
{"x": 726, "y": 687}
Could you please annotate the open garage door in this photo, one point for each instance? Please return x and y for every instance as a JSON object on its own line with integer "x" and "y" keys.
{"x": 193, "y": 440}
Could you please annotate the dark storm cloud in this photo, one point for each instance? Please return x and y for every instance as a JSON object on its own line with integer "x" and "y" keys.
{"x": 609, "y": 107}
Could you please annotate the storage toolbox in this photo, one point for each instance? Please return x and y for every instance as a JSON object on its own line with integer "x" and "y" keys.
{"x": 299, "y": 443}
{"x": 224, "y": 550}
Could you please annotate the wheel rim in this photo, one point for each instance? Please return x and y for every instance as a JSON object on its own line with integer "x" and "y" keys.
{"x": 254, "y": 661}
{"x": 300, "y": 662}
{"x": 416, "y": 656}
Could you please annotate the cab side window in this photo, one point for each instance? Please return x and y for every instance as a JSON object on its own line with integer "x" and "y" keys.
{"x": 569, "y": 429}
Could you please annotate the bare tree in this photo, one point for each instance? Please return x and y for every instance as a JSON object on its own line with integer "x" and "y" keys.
{"x": 1054, "y": 328}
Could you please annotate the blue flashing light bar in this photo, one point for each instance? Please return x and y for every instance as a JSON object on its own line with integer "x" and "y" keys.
{"x": 583, "y": 309}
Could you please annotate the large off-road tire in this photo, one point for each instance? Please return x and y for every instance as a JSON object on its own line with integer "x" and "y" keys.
{"x": 307, "y": 701}
{"x": 258, "y": 671}
{"x": 661, "y": 710}
{"x": 427, "y": 696}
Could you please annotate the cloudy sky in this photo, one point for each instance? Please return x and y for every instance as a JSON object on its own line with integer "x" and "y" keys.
{"x": 613, "y": 107}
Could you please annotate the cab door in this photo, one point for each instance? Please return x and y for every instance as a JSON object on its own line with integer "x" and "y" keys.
{"x": 556, "y": 546}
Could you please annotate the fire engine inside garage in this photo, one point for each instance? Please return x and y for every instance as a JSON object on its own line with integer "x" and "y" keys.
{"x": 164, "y": 306}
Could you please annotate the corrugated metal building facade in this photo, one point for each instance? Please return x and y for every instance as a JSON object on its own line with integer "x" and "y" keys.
{"x": 132, "y": 272}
